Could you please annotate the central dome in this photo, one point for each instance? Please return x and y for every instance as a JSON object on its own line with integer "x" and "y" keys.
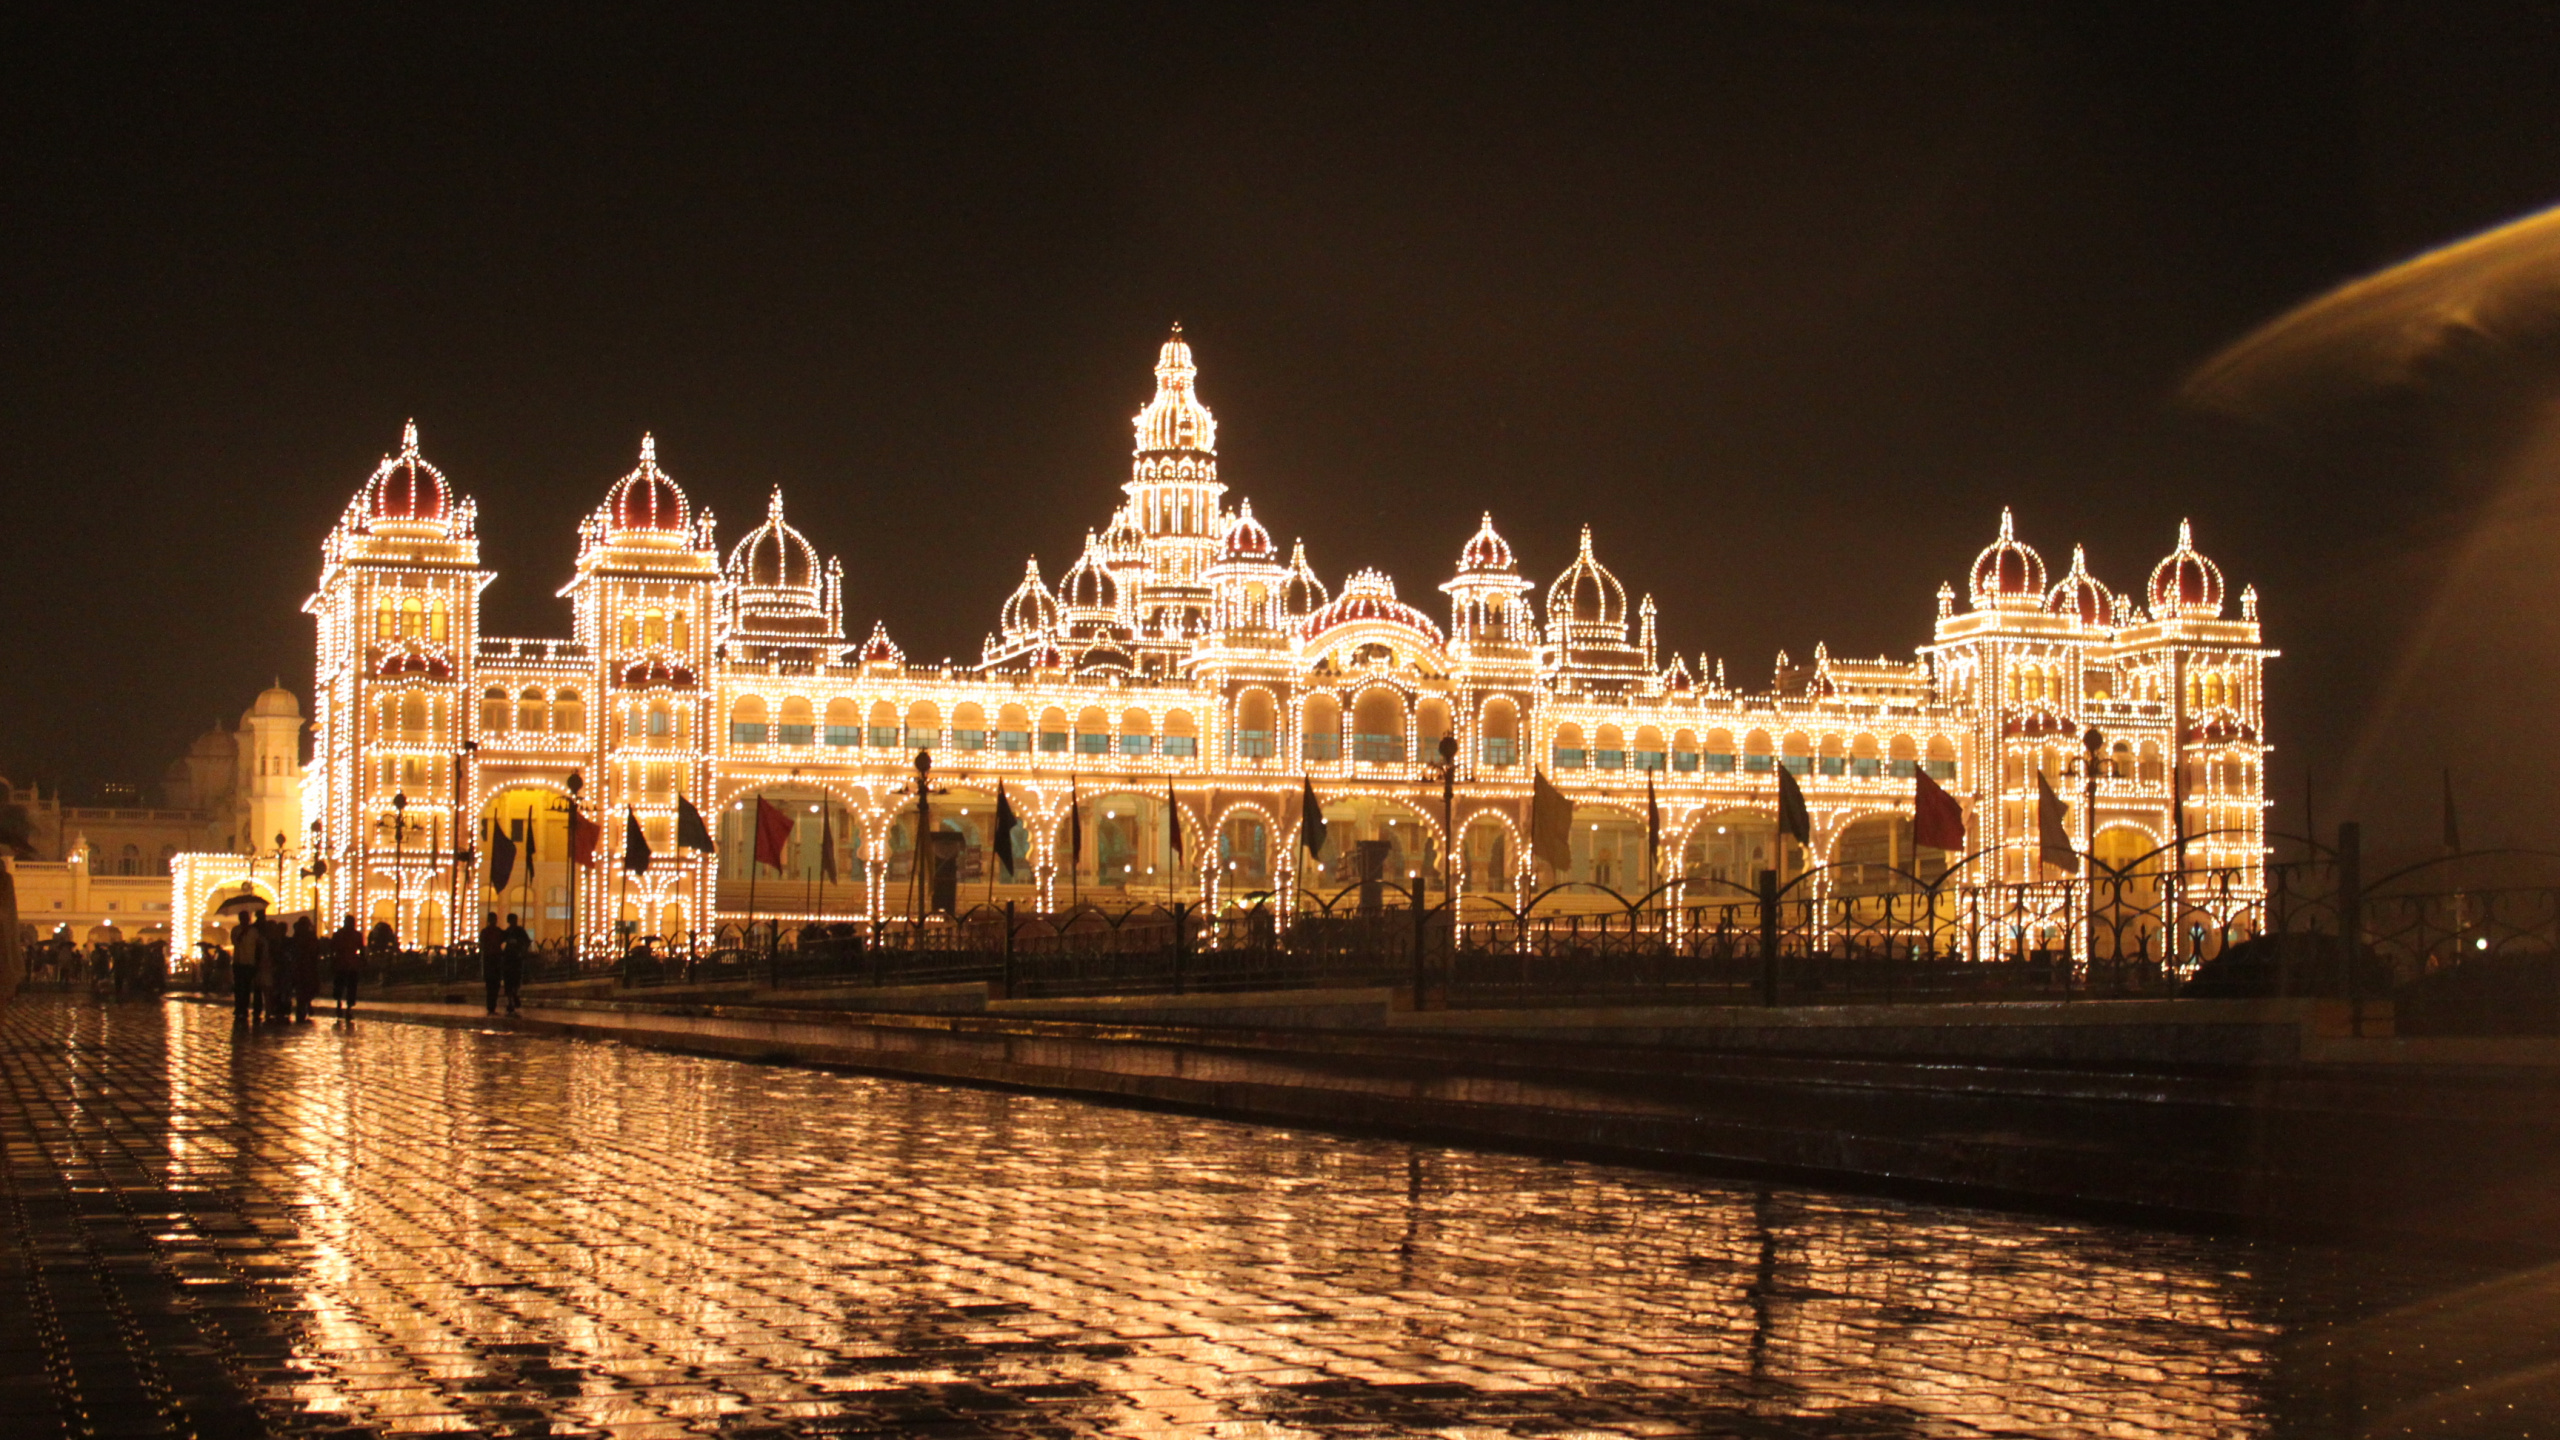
{"x": 1175, "y": 419}
{"x": 774, "y": 556}
{"x": 646, "y": 501}
{"x": 405, "y": 489}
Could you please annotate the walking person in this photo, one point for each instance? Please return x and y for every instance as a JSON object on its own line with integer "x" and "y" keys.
{"x": 519, "y": 946}
{"x": 245, "y": 999}
{"x": 306, "y": 968}
{"x": 275, "y": 972}
{"x": 346, "y": 966}
{"x": 493, "y": 945}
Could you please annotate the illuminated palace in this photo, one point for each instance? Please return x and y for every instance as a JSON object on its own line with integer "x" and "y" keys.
{"x": 1185, "y": 660}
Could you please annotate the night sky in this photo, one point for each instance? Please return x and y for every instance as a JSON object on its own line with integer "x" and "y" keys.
{"x": 1786, "y": 300}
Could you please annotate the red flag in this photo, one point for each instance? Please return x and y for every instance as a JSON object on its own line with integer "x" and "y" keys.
{"x": 773, "y": 831}
{"x": 1937, "y": 821}
{"x": 583, "y": 835}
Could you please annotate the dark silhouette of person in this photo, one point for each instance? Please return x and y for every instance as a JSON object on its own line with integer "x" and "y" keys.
{"x": 519, "y": 946}
{"x": 275, "y": 970}
{"x": 245, "y": 998}
{"x": 346, "y": 965}
{"x": 306, "y": 968}
{"x": 493, "y": 963}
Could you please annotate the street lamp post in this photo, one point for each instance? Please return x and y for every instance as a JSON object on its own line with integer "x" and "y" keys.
{"x": 463, "y": 854}
{"x": 2092, "y": 762}
{"x": 399, "y": 854}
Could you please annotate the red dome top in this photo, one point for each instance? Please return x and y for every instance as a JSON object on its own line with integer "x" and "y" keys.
{"x": 1369, "y": 595}
{"x": 406, "y": 490}
{"x": 2186, "y": 583}
{"x": 2080, "y": 596}
{"x": 1246, "y": 539}
{"x": 647, "y": 500}
{"x": 1486, "y": 550}
{"x": 880, "y": 649}
{"x": 2006, "y": 573}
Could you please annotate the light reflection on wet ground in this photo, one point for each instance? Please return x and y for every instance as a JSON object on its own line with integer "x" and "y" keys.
{"x": 395, "y": 1228}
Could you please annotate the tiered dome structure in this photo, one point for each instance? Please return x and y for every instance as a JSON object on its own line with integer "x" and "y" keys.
{"x": 1369, "y": 595}
{"x": 406, "y": 491}
{"x": 2185, "y": 584}
{"x": 2079, "y": 597}
{"x": 778, "y": 602}
{"x": 2008, "y": 575}
{"x": 646, "y": 502}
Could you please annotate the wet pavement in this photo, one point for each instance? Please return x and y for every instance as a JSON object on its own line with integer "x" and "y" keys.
{"x": 392, "y": 1229}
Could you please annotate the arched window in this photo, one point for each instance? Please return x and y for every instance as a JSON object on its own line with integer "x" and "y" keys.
{"x": 1181, "y": 736}
{"x": 1719, "y": 753}
{"x": 568, "y": 713}
{"x": 1570, "y": 753}
{"x": 1321, "y": 737}
{"x": 386, "y": 615}
{"x": 653, "y": 627}
{"x": 1378, "y": 726}
{"x": 884, "y": 725}
{"x": 844, "y": 724}
{"x": 1013, "y": 728}
{"x": 968, "y": 726}
{"x": 661, "y": 723}
{"x": 795, "y": 724}
{"x": 1941, "y": 763}
{"x": 1499, "y": 744}
{"x": 1758, "y": 756}
{"x": 529, "y": 714}
{"x": 1054, "y": 736}
{"x": 1684, "y": 752}
{"x": 413, "y": 618}
{"x": 1093, "y": 732}
{"x": 1609, "y": 748}
{"x": 747, "y": 721}
{"x": 413, "y": 717}
{"x": 924, "y": 726}
{"x": 1431, "y": 722}
{"x": 1904, "y": 757}
{"x": 1257, "y": 727}
{"x": 1137, "y": 732}
{"x": 1831, "y": 760}
{"x": 1798, "y": 752}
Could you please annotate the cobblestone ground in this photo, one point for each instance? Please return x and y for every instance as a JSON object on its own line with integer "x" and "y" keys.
{"x": 392, "y": 1229}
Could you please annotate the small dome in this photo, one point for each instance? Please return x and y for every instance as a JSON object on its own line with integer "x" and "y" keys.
{"x": 1246, "y": 539}
{"x": 405, "y": 489}
{"x": 1031, "y": 609}
{"x": 1486, "y": 550}
{"x": 1175, "y": 419}
{"x": 214, "y": 744}
{"x": 1587, "y": 594}
{"x": 1122, "y": 543}
{"x": 2080, "y": 596}
{"x": 1369, "y": 595}
{"x": 2186, "y": 583}
{"x": 1302, "y": 594}
{"x": 1104, "y": 655}
{"x": 276, "y": 702}
{"x": 646, "y": 501}
{"x": 1676, "y": 679}
{"x": 775, "y": 557}
{"x": 2007, "y": 575}
{"x": 1089, "y": 584}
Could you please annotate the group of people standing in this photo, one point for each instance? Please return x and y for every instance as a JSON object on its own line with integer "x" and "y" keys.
{"x": 502, "y": 957}
{"x": 275, "y": 973}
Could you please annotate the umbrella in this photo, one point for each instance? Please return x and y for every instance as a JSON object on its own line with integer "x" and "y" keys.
{"x": 247, "y": 900}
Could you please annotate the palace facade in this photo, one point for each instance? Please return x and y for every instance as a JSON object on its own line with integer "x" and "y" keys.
{"x": 1179, "y": 684}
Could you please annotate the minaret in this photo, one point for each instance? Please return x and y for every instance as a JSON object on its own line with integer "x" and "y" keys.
{"x": 1175, "y": 501}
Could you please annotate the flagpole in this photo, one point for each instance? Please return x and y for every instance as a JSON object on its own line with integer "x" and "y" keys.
{"x": 755, "y": 863}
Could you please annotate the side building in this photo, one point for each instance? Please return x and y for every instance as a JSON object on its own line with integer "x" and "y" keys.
{"x": 1182, "y": 684}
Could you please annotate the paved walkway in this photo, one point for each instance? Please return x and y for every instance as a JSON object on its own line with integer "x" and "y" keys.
{"x": 391, "y": 1228}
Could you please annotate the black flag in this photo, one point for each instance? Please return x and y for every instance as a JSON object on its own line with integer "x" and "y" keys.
{"x": 635, "y": 846}
{"x": 502, "y": 858}
{"x": 691, "y": 833}
{"x": 1311, "y": 820}
{"x": 1173, "y": 819}
{"x": 1793, "y": 816}
{"x": 1075, "y": 829}
{"x": 1005, "y": 822}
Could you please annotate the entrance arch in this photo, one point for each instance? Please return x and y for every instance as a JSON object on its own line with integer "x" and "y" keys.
{"x": 534, "y": 821}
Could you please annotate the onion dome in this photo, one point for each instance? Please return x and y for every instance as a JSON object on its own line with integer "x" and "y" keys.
{"x": 276, "y": 702}
{"x": 1246, "y": 539}
{"x": 405, "y": 489}
{"x": 1587, "y": 595}
{"x": 1369, "y": 595}
{"x": 773, "y": 557}
{"x": 1123, "y": 544}
{"x": 1676, "y": 679}
{"x": 646, "y": 501}
{"x": 1031, "y": 610}
{"x": 1486, "y": 550}
{"x": 2080, "y": 597}
{"x": 1089, "y": 584}
{"x": 2007, "y": 575}
{"x": 1302, "y": 594}
{"x": 656, "y": 673}
{"x": 880, "y": 649}
{"x": 2185, "y": 583}
{"x": 1175, "y": 419}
